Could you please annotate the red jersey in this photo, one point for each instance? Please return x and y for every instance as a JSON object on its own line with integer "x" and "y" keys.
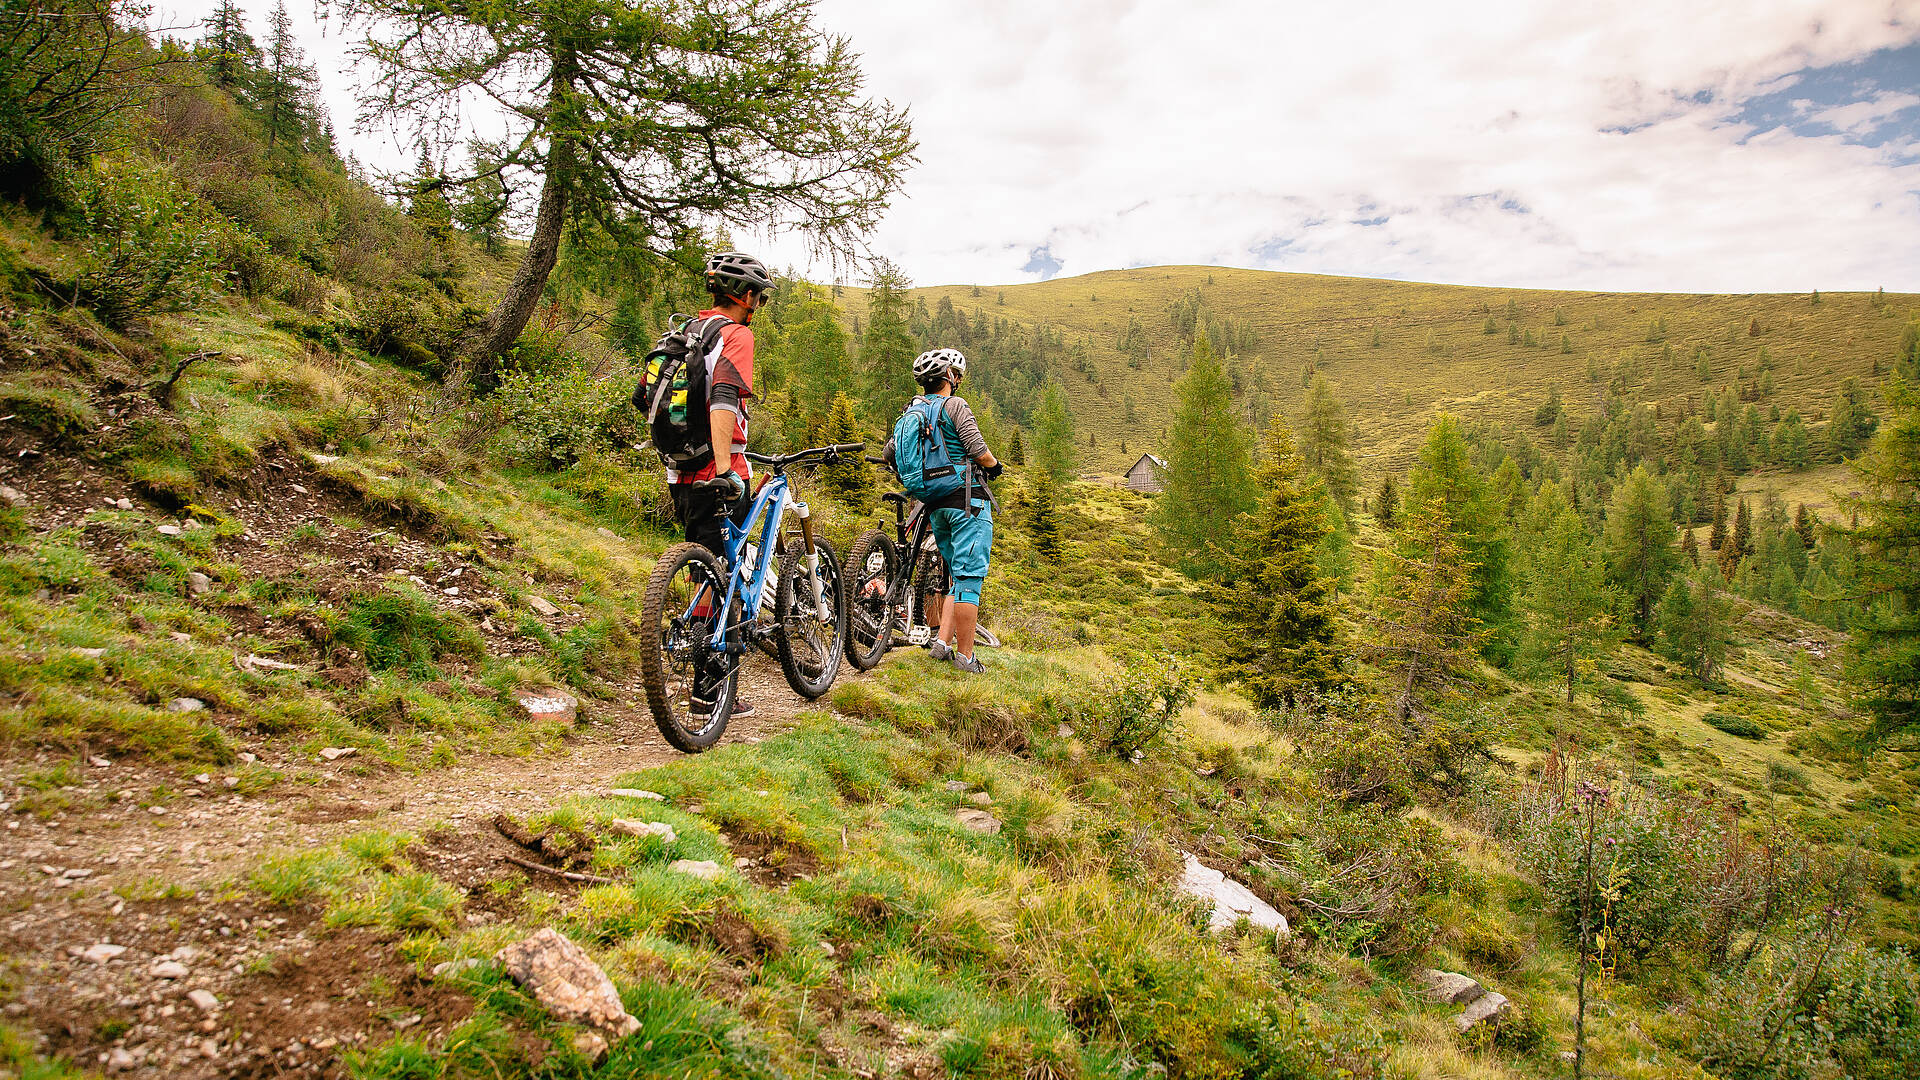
{"x": 729, "y": 387}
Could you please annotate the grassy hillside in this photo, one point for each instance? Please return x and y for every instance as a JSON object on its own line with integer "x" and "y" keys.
{"x": 1396, "y": 352}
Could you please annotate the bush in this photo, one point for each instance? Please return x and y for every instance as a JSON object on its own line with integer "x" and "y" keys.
{"x": 1131, "y": 712}
{"x": 149, "y": 245}
{"x": 563, "y": 409}
{"x": 1738, "y": 726}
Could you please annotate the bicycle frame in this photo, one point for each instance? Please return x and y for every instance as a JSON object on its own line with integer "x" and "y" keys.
{"x": 748, "y": 585}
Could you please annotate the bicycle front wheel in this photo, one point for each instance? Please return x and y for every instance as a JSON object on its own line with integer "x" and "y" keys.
{"x": 868, "y": 577}
{"x": 690, "y": 685}
{"x": 811, "y": 646}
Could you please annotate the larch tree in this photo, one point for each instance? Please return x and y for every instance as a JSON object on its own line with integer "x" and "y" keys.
{"x": 1446, "y": 473}
{"x": 1640, "y": 546}
{"x": 287, "y": 88}
{"x": 650, "y": 121}
{"x": 1043, "y": 514}
{"x": 1884, "y": 656}
{"x": 1053, "y": 445}
{"x": 1208, "y": 463}
{"x": 1696, "y": 622}
{"x": 1421, "y": 628}
{"x": 1323, "y": 443}
{"x": 1386, "y": 502}
{"x": 887, "y": 347}
{"x": 1271, "y": 591}
{"x": 851, "y": 477}
{"x": 1016, "y": 450}
{"x": 1568, "y": 606}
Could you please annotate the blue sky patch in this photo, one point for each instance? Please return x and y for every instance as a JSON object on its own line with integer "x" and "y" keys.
{"x": 1041, "y": 261}
{"x": 1862, "y": 100}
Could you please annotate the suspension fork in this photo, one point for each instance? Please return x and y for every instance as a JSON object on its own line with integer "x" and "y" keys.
{"x": 810, "y": 558}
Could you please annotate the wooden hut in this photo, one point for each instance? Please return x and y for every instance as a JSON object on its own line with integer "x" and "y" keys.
{"x": 1145, "y": 474}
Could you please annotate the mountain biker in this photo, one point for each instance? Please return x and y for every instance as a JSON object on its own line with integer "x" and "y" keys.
{"x": 739, "y": 285}
{"x": 962, "y": 522}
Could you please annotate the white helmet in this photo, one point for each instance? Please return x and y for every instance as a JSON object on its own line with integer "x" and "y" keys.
{"x": 938, "y": 363}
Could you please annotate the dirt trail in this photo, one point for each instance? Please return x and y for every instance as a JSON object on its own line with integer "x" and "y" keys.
{"x": 290, "y": 994}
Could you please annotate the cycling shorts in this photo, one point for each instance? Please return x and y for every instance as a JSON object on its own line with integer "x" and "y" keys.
{"x": 965, "y": 541}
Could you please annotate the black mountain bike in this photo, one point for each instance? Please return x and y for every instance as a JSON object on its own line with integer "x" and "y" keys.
{"x": 895, "y": 585}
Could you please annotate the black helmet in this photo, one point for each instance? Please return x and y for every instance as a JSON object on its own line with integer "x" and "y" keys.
{"x": 730, "y": 273}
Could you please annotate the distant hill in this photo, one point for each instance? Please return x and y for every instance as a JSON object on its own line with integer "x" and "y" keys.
{"x": 1397, "y": 352}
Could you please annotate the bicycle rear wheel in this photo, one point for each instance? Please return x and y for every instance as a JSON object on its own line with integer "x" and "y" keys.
{"x": 678, "y": 665}
{"x": 927, "y": 594}
{"x": 811, "y": 647}
{"x": 868, "y": 577}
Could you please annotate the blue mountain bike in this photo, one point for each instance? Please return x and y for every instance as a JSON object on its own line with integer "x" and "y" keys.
{"x": 708, "y": 608}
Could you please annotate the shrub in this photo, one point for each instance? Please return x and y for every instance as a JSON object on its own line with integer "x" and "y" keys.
{"x": 563, "y": 409}
{"x": 1738, "y": 726}
{"x": 149, "y": 245}
{"x": 1131, "y": 712}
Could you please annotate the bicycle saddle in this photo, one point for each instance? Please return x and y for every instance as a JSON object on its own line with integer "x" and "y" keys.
{"x": 896, "y": 497}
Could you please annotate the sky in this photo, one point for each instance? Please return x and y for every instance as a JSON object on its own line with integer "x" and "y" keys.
{"x": 1690, "y": 145}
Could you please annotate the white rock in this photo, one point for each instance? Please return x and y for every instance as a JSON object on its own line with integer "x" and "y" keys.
{"x": 186, "y": 705}
{"x": 123, "y": 504}
{"x": 103, "y": 952}
{"x": 323, "y": 459}
{"x": 180, "y": 636}
{"x": 980, "y": 798}
{"x": 548, "y": 703}
{"x": 168, "y": 969}
{"x": 957, "y": 786}
{"x": 1449, "y": 986}
{"x": 198, "y": 582}
{"x": 99, "y": 762}
{"x": 204, "y": 1000}
{"x": 634, "y": 793}
{"x": 705, "y": 869}
{"x": 77, "y": 873}
{"x": 120, "y": 1059}
{"x": 202, "y": 778}
{"x": 542, "y": 606}
{"x": 455, "y": 967}
{"x": 590, "y": 1045}
{"x": 249, "y": 757}
{"x": 168, "y": 530}
{"x": 978, "y": 821}
{"x": 13, "y": 497}
{"x": 335, "y": 753}
{"x": 258, "y": 663}
{"x": 631, "y": 827}
{"x": 1230, "y": 900}
{"x": 157, "y": 811}
{"x": 1488, "y": 1006}
{"x": 90, "y": 654}
{"x": 562, "y": 977}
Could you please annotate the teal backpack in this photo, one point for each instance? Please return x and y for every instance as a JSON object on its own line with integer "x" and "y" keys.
{"x": 927, "y": 469}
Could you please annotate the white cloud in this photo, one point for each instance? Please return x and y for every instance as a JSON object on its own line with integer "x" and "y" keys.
{"x": 1255, "y": 134}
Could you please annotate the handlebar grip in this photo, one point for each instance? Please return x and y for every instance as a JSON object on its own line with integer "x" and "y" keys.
{"x": 876, "y": 460}
{"x": 848, "y": 448}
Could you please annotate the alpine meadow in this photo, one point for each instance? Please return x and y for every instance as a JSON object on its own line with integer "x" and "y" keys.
{"x": 1381, "y": 679}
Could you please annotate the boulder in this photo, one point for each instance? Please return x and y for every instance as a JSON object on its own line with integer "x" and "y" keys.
{"x": 1230, "y": 900}
{"x": 1488, "y": 1006}
{"x": 704, "y": 869}
{"x": 13, "y": 497}
{"x": 198, "y": 583}
{"x": 542, "y": 606}
{"x": 335, "y": 753}
{"x": 634, "y": 793}
{"x": 547, "y": 703}
{"x": 103, "y": 952}
{"x": 168, "y": 969}
{"x": 204, "y": 1000}
{"x": 978, "y": 821}
{"x": 186, "y": 705}
{"x": 563, "y": 978}
{"x": 1450, "y": 987}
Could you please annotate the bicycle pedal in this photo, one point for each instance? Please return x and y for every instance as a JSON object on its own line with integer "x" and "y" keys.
{"x": 919, "y": 635}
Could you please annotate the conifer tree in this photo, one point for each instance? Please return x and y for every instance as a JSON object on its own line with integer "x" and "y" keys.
{"x": 427, "y": 199}
{"x": 483, "y": 204}
{"x": 229, "y": 49}
{"x": 286, "y": 91}
{"x": 1640, "y": 550}
{"x": 1851, "y": 424}
{"x": 1446, "y": 472}
{"x": 1568, "y": 603}
{"x": 1695, "y": 621}
{"x": 887, "y": 349}
{"x": 1053, "y": 445}
{"x": 1742, "y": 538}
{"x": 1206, "y": 479}
{"x": 851, "y": 477}
{"x": 1323, "y": 443}
{"x": 1689, "y": 547}
{"x": 1016, "y": 450}
{"x": 1043, "y": 515}
{"x": 1270, "y": 591}
{"x": 1386, "y": 504}
{"x": 1421, "y": 631}
{"x": 1804, "y": 521}
{"x": 1884, "y": 656}
{"x": 1718, "y": 536}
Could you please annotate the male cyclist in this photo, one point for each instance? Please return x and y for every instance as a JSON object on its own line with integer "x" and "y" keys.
{"x": 738, "y": 285}
{"x": 962, "y": 522}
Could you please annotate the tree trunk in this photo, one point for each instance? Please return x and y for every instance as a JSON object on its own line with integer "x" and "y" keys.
{"x": 516, "y": 305}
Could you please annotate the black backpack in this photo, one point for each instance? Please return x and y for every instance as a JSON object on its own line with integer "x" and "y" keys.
{"x": 673, "y": 391}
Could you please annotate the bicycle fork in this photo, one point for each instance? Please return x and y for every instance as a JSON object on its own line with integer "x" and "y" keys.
{"x": 811, "y": 560}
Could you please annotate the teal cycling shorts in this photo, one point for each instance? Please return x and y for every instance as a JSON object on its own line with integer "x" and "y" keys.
{"x": 965, "y": 542}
